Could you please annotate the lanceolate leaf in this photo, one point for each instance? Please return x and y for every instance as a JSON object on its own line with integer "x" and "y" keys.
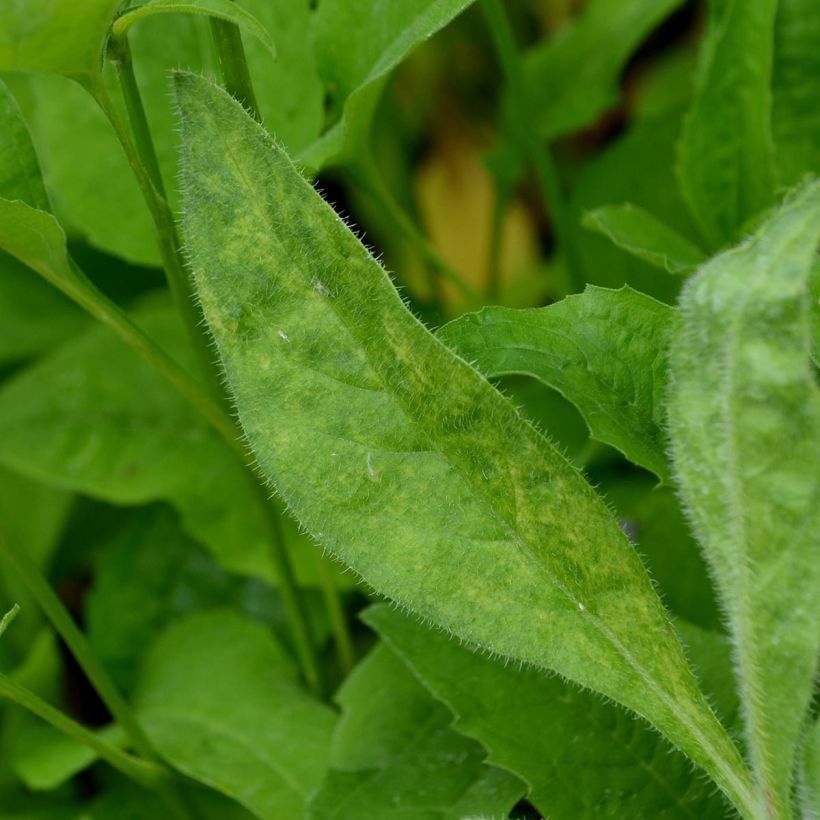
{"x": 379, "y": 34}
{"x": 603, "y": 349}
{"x": 396, "y": 752}
{"x": 402, "y": 459}
{"x": 573, "y": 76}
{"x": 744, "y": 413}
{"x": 220, "y": 9}
{"x": 59, "y": 37}
{"x": 725, "y": 156}
{"x": 582, "y": 758}
{"x": 643, "y": 235}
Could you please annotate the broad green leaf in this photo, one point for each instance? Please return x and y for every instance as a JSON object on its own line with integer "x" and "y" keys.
{"x": 744, "y": 421}
{"x": 725, "y": 155}
{"x": 34, "y": 316}
{"x": 795, "y": 92}
{"x": 814, "y": 310}
{"x": 378, "y": 35}
{"x": 580, "y": 756}
{"x": 19, "y": 170}
{"x": 220, "y": 9}
{"x": 640, "y": 233}
{"x": 220, "y": 700}
{"x": 399, "y": 457}
{"x": 602, "y": 349}
{"x": 56, "y": 37}
{"x": 396, "y": 755}
{"x": 132, "y": 438}
{"x": 574, "y": 76}
{"x": 637, "y": 167}
{"x": 809, "y": 775}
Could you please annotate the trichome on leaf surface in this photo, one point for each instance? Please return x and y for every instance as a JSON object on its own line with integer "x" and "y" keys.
{"x": 516, "y": 517}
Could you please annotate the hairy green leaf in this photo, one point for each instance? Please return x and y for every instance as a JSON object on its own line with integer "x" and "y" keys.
{"x": 395, "y": 752}
{"x": 725, "y": 155}
{"x": 574, "y": 76}
{"x": 640, "y": 233}
{"x": 355, "y": 411}
{"x": 581, "y": 757}
{"x": 379, "y": 34}
{"x": 809, "y": 775}
{"x": 220, "y": 9}
{"x": 602, "y": 349}
{"x": 795, "y": 92}
{"x": 131, "y": 438}
{"x": 220, "y": 700}
{"x": 58, "y": 37}
{"x": 744, "y": 421}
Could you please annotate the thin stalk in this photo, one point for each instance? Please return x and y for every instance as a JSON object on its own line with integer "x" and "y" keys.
{"x": 538, "y": 153}
{"x": 496, "y": 237}
{"x": 338, "y": 622}
{"x": 144, "y": 772}
{"x": 142, "y": 158}
{"x": 375, "y": 188}
{"x": 75, "y": 640}
{"x": 234, "y": 65}
{"x": 291, "y": 599}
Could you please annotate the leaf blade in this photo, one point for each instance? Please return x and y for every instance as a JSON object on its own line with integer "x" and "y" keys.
{"x": 744, "y": 421}
{"x": 354, "y": 411}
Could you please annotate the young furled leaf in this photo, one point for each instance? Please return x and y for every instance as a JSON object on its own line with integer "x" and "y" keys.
{"x": 643, "y": 235}
{"x": 744, "y": 421}
{"x": 602, "y": 349}
{"x": 402, "y": 459}
{"x": 581, "y": 758}
{"x": 725, "y": 155}
{"x": 395, "y": 752}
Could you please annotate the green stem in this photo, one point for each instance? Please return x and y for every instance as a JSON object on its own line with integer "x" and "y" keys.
{"x": 234, "y": 65}
{"x": 496, "y": 237}
{"x": 8, "y": 618}
{"x": 289, "y": 592}
{"x": 143, "y": 161}
{"x": 338, "y": 621}
{"x": 144, "y": 772}
{"x": 538, "y": 154}
{"x": 76, "y": 642}
{"x": 370, "y": 182}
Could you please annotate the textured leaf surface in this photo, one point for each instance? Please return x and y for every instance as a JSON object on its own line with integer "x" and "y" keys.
{"x": 582, "y": 758}
{"x": 395, "y": 755}
{"x": 131, "y": 439}
{"x": 379, "y": 34}
{"x": 592, "y": 52}
{"x": 221, "y": 702}
{"x": 398, "y": 456}
{"x": 220, "y": 9}
{"x": 725, "y": 156}
{"x": 643, "y": 235}
{"x": 744, "y": 413}
{"x": 603, "y": 349}
{"x": 57, "y": 37}
{"x": 795, "y": 91}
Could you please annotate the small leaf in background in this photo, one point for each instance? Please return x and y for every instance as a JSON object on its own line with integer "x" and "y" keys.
{"x": 355, "y": 412}
{"x": 221, "y": 702}
{"x": 131, "y": 439}
{"x": 354, "y": 68}
{"x": 600, "y": 349}
{"x": 744, "y": 422}
{"x": 580, "y": 756}
{"x": 58, "y": 37}
{"x": 643, "y": 235}
{"x": 725, "y": 155}
{"x": 396, "y": 755}
{"x": 220, "y": 9}
{"x": 795, "y": 92}
{"x": 573, "y": 76}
